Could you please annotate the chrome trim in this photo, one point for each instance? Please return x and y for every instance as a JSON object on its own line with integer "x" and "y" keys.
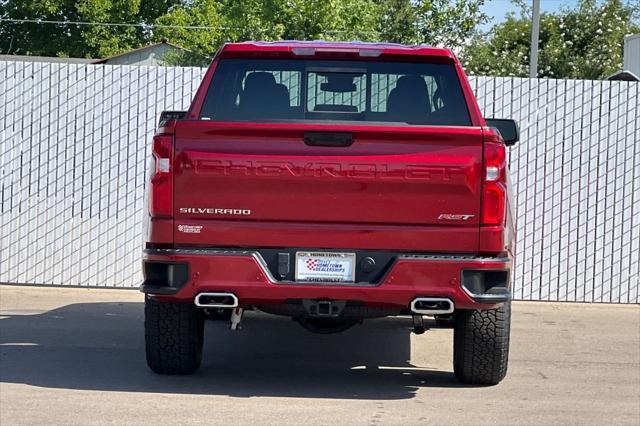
{"x": 452, "y": 257}
{"x": 431, "y": 311}
{"x": 216, "y": 305}
{"x": 265, "y": 269}
{"x": 404, "y": 256}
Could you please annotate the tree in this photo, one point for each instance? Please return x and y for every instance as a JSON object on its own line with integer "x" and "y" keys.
{"x": 330, "y": 20}
{"x": 264, "y": 20}
{"x": 397, "y": 21}
{"x": 33, "y": 39}
{"x": 436, "y": 22}
{"x": 274, "y": 20}
{"x": 202, "y": 26}
{"x": 102, "y": 40}
{"x": 584, "y": 42}
{"x": 252, "y": 19}
{"x": 449, "y": 23}
{"x": 201, "y": 42}
{"x": 77, "y": 40}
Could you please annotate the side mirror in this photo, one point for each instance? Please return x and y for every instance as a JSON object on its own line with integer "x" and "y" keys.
{"x": 508, "y": 129}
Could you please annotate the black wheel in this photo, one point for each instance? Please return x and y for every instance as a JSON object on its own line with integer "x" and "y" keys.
{"x": 481, "y": 345}
{"x": 173, "y": 336}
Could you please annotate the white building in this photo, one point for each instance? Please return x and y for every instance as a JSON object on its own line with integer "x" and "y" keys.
{"x": 631, "y": 60}
{"x": 152, "y": 54}
{"x": 632, "y": 54}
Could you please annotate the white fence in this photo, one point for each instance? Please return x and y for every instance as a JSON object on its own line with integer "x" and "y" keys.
{"x": 74, "y": 141}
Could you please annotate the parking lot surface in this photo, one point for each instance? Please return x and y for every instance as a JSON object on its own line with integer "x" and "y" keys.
{"x": 76, "y": 356}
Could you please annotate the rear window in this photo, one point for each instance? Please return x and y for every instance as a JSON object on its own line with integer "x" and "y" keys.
{"x": 282, "y": 90}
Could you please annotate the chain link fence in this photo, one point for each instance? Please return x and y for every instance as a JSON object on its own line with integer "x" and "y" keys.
{"x": 74, "y": 143}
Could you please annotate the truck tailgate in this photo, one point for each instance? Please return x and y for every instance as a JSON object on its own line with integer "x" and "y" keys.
{"x": 241, "y": 181}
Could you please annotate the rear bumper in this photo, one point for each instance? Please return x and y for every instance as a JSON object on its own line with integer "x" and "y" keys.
{"x": 245, "y": 274}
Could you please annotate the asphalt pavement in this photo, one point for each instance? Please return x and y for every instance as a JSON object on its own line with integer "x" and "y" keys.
{"x": 76, "y": 356}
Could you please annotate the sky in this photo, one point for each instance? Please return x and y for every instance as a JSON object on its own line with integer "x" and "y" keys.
{"x": 498, "y": 9}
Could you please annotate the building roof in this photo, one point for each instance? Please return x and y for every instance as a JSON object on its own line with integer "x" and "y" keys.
{"x": 139, "y": 49}
{"x": 624, "y": 75}
{"x": 86, "y": 60}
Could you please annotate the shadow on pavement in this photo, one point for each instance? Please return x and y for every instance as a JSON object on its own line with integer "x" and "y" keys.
{"x": 100, "y": 346}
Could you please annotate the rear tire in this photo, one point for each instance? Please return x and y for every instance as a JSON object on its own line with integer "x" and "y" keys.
{"x": 481, "y": 345}
{"x": 174, "y": 334}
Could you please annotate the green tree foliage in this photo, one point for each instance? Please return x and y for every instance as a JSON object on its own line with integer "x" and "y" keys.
{"x": 107, "y": 40}
{"x": 36, "y": 39}
{"x": 199, "y": 13}
{"x": 448, "y": 22}
{"x": 398, "y": 21}
{"x": 330, "y": 20}
{"x": 77, "y": 40}
{"x": 584, "y": 42}
{"x": 438, "y": 22}
{"x": 268, "y": 20}
{"x": 252, "y": 20}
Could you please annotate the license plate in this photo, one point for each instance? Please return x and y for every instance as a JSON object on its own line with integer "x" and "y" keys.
{"x": 325, "y": 267}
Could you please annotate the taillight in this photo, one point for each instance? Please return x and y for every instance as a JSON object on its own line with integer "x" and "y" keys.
{"x": 494, "y": 192}
{"x": 161, "y": 182}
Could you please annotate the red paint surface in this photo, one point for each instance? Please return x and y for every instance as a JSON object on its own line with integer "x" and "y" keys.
{"x": 387, "y": 177}
{"x": 385, "y": 191}
{"x": 243, "y": 276}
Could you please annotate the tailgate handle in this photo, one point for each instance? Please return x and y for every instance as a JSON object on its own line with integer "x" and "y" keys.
{"x": 328, "y": 138}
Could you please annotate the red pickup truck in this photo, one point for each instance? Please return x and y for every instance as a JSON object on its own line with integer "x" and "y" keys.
{"x": 331, "y": 182}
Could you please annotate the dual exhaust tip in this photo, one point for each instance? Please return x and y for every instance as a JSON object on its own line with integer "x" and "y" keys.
{"x": 216, "y": 300}
{"x": 431, "y": 306}
{"x": 419, "y": 305}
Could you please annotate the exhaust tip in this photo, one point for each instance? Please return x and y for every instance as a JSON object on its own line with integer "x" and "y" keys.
{"x": 432, "y": 306}
{"x": 216, "y": 300}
